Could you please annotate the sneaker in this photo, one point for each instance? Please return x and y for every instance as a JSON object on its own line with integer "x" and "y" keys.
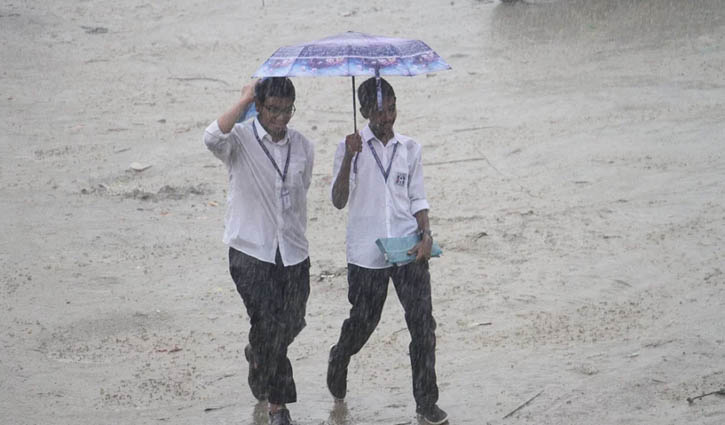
{"x": 336, "y": 378}
{"x": 280, "y": 417}
{"x": 433, "y": 415}
{"x": 259, "y": 389}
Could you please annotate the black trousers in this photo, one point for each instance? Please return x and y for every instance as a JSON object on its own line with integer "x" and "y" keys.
{"x": 367, "y": 290}
{"x": 275, "y": 297}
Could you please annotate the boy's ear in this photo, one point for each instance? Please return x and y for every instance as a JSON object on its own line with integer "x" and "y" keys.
{"x": 364, "y": 112}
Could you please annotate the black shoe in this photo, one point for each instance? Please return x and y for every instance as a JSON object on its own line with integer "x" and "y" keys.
{"x": 434, "y": 415}
{"x": 280, "y": 417}
{"x": 259, "y": 389}
{"x": 336, "y": 377}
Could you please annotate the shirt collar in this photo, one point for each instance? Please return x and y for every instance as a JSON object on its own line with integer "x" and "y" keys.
{"x": 263, "y": 133}
{"x": 367, "y": 134}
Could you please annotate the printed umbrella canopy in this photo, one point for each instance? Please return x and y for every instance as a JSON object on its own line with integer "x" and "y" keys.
{"x": 351, "y": 54}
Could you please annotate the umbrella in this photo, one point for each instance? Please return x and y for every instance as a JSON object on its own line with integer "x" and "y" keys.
{"x": 351, "y": 54}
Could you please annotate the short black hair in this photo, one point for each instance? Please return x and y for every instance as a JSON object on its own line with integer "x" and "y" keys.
{"x": 275, "y": 87}
{"x": 367, "y": 93}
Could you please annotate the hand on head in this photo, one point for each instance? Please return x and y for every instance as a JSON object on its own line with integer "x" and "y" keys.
{"x": 248, "y": 91}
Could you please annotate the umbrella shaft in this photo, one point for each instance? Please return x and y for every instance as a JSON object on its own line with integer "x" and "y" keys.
{"x": 354, "y": 106}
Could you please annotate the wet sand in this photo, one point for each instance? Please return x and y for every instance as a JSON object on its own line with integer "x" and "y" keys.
{"x": 573, "y": 161}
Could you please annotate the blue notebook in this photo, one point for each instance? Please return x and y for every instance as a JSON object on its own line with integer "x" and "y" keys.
{"x": 396, "y": 250}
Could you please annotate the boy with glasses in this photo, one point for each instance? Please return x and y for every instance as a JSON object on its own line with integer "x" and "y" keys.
{"x": 270, "y": 168}
{"x": 379, "y": 173}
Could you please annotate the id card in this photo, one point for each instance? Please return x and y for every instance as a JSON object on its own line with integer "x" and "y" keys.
{"x": 286, "y": 202}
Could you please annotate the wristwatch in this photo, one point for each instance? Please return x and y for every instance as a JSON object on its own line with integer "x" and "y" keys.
{"x": 425, "y": 232}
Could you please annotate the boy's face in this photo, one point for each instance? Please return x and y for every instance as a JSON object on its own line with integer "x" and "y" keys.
{"x": 274, "y": 114}
{"x": 381, "y": 122}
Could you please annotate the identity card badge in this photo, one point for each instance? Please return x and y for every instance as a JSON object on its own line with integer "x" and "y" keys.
{"x": 286, "y": 202}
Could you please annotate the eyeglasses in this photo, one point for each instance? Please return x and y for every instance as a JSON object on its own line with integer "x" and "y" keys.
{"x": 275, "y": 112}
{"x": 390, "y": 110}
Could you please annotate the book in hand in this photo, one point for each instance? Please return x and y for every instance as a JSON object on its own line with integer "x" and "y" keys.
{"x": 396, "y": 250}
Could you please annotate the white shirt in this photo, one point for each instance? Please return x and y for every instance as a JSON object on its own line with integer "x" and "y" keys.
{"x": 380, "y": 209}
{"x": 258, "y": 220}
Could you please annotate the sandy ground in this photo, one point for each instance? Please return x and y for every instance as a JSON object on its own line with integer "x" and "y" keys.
{"x": 574, "y": 163}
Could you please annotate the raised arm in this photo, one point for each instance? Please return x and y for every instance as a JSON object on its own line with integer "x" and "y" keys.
{"x": 216, "y": 135}
{"x": 227, "y": 120}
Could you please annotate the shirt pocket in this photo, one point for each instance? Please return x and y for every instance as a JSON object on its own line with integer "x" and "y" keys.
{"x": 399, "y": 173}
{"x": 398, "y": 183}
{"x": 399, "y": 179}
{"x": 296, "y": 175}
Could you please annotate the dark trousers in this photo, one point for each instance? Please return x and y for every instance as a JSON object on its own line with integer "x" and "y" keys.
{"x": 367, "y": 290}
{"x": 275, "y": 297}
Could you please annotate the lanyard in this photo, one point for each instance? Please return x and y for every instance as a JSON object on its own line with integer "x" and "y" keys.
{"x": 380, "y": 164}
{"x": 266, "y": 151}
